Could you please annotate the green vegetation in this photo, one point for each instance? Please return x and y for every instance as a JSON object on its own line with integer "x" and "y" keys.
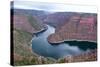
{"x": 23, "y": 54}
{"x": 21, "y": 45}
{"x": 21, "y": 39}
{"x": 35, "y": 23}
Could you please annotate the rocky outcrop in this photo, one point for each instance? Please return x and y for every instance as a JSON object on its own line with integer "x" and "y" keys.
{"x": 58, "y": 18}
{"x": 79, "y": 28}
{"x": 27, "y": 23}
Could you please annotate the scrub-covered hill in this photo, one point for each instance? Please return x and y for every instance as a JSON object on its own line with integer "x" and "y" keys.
{"x": 23, "y": 54}
{"x": 23, "y": 28}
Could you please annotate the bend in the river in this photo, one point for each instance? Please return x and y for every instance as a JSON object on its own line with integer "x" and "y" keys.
{"x": 41, "y": 46}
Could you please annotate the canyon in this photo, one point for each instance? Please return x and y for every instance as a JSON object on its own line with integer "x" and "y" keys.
{"x": 43, "y": 48}
{"x": 80, "y": 27}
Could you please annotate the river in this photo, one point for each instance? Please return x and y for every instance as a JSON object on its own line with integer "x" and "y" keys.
{"x": 41, "y": 46}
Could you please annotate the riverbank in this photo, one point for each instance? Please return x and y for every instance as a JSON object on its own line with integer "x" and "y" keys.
{"x": 23, "y": 53}
{"x": 83, "y": 57}
{"x": 42, "y": 30}
{"x": 45, "y": 48}
{"x": 71, "y": 40}
{"x": 37, "y": 32}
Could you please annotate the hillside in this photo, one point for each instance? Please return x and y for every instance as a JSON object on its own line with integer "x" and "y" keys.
{"x": 86, "y": 56}
{"x": 81, "y": 27}
{"x": 23, "y": 28}
{"x": 41, "y": 15}
{"x": 23, "y": 54}
{"x": 68, "y": 26}
{"x": 58, "y": 19}
{"x": 27, "y": 23}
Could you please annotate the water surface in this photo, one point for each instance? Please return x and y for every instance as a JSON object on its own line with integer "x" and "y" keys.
{"x": 41, "y": 46}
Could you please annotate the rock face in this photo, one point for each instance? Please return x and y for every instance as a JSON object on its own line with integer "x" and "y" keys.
{"x": 27, "y": 23}
{"x": 58, "y": 18}
{"x": 21, "y": 22}
{"x": 69, "y": 26}
{"x": 41, "y": 15}
{"x": 79, "y": 27}
{"x": 23, "y": 28}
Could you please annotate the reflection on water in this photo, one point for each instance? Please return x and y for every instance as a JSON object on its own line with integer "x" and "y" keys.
{"x": 41, "y": 46}
{"x": 84, "y": 45}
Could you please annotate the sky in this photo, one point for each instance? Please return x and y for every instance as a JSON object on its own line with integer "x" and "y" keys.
{"x": 54, "y": 7}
